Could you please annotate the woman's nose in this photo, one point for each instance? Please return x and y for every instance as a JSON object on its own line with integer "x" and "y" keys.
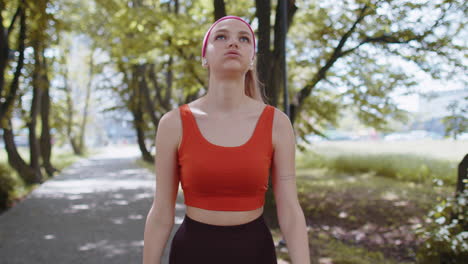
{"x": 233, "y": 43}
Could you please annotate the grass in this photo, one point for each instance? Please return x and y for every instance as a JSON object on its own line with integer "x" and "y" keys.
{"x": 342, "y": 253}
{"x": 328, "y": 250}
{"x": 445, "y": 149}
{"x": 362, "y": 218}
{"x": 363, "y": 200}
{"x": 403, "y": 167}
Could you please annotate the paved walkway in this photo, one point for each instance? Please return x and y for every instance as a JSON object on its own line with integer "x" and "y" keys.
{"x": 93, "y": 212}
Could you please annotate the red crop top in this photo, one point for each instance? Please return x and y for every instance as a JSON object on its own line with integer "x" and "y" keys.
{"x": 223, "y": 178}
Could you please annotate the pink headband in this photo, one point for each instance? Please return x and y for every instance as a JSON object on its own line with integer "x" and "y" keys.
{"x": 207, "y": 35}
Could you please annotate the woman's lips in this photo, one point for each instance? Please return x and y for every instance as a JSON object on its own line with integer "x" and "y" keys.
{"x": 232, "y": 53}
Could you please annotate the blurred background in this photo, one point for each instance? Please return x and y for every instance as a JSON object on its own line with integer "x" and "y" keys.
{"x": 376, "y": 92}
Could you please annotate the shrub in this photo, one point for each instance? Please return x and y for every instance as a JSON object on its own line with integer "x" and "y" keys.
{"x": 7, "y": 185}
{"x": 445, "y": 237}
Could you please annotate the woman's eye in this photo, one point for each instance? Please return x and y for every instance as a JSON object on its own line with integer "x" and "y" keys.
{"x": 246, "y": 39}
{"x": 220, "y": 37}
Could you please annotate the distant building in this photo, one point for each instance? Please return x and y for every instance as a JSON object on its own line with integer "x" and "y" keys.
{"x": 119, "y": 129}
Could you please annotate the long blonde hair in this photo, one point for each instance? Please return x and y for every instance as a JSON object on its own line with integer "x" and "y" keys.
{"x": 252, "y": 86}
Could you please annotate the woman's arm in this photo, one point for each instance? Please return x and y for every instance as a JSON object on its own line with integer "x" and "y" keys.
{"x": 290, "y": 215}
{"x": 160, "y": 219}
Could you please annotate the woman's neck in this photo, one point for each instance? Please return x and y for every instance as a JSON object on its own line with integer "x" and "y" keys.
{"x": 226, "y": 95}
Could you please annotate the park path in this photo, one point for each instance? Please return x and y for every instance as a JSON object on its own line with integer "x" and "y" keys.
{"x": 94, "y": 212}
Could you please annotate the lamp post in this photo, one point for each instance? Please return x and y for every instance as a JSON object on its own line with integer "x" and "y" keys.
{"x": 284, "y": 24}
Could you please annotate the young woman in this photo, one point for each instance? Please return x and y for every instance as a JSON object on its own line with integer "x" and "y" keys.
{"x": 221, "y": 148}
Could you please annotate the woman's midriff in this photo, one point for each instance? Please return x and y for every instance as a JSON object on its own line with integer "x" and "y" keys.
{"x": 223, "y": 218}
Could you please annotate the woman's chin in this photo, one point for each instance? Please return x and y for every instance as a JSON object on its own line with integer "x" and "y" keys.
{"x": 230, "y": 68}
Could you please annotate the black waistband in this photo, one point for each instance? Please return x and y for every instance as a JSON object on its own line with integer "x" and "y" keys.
{"x": 204, "y": 226}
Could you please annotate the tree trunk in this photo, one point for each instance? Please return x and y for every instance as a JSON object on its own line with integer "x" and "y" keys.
{"x": 86, "y": 107}
{"x": 45, "y": 139}
{"x": 14, "y": 159}
{"x": 137, "y": 111}
{"x": 7, "y": 103}
{"x": 268, "y": 62}
{"x": 462, "y": 178}
{"x": 70, "y": 133}
{"x": 4, "y": 48}
{"x": 176, "y": 6}
{"x": 169, "y": 81}
{"x": 263, "y": 13}
{"x": 146, "y": 95}
{"x": 269, "y": 71}
{"x": 4, "y": 39}
{"x": 9, "y": 99}
{"x": 138, "y": 119}
{"x": 219, "y": 9}
{"x": 34, "y": 152}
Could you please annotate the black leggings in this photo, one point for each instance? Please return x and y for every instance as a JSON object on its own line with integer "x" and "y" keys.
{"x": 196, "y": 242}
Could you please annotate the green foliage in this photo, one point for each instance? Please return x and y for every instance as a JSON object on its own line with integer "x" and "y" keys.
{"x": 368, "y": 68}
{"x": 12, "y": 186}
{"x": 379, "y": 56}
{"x": 445, "y": 238}
{"x": 7, "y": 185}
{"x": 319, "y": 110}
{"x": 457, "y": 122}
{"x": 156, "y": 40}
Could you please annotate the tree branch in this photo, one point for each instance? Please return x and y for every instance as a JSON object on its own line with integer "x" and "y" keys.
{"x": 192, "y": 70}
{"x": 337, "y": 53}
{"x": 11, "y": 96}
{"x": 12, "y": 24}
{"x": 219, "y": 9}
{"x": 389, "y": 39}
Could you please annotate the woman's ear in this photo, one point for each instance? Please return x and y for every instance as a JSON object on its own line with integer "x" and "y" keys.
{"x": 252, "y": 62}
{"x": 204, "y": 62}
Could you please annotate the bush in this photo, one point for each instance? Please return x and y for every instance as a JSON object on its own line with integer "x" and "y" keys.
{"x": 7, "y": 185}
{"x": 445, "y": 238}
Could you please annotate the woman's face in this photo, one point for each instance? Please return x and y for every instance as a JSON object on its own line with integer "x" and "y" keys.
{"x": 230, "y": 47}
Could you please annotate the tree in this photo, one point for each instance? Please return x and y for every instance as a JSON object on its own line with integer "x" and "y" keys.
{"x": 457, "y": 122}
{"x": 350, "y": 54}
{"x": 27, "y": 173}
{"x": 269, "y": 59}
{"x": 8, "y": 96}
{"x": 35, "y": 76}
{"x": 354, "y": 53}
{"x": 150, "y": 57}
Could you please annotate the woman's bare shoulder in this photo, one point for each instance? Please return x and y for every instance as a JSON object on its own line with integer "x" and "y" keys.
{"x": 170, "y": 127}
{"x": 282, "y": 126}
{"x": 280, "y": 118}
